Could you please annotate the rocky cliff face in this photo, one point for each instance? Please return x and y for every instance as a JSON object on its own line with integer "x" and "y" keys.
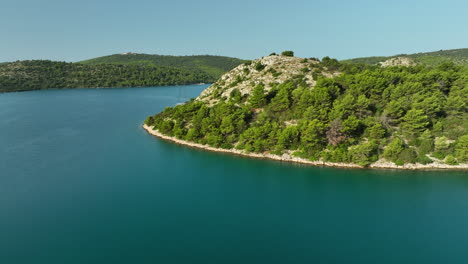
{"x": 268, "y": 71}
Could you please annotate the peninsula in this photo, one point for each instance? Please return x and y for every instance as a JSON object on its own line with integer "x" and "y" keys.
{"x": 323, "y": 112}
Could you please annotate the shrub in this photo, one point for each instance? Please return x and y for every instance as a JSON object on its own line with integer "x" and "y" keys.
{"x": 330, "y": 63}
{"x": 278, "y": 152}
{"x": 450, "y": 160}
{"x": 408, "y": 156}
{"x": 394, "y": 149}
{"x": 226, "y": 145}
{"x": 259, "y": 66}
{"x": 288, "y": 53}
{"x": 399, "y": 163}
{"x": 238, "y": 80}
{"x": 441, "y": 143}
{"x": 423, "y": 159}
{"x": 439, "y": 155}
{"x": 273, "y": 72}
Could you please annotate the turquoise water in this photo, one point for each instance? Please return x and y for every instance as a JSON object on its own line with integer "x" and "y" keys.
{"x": 82, "y": 182}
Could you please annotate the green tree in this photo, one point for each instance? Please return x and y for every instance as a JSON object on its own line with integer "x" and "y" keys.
{"x": 456, "y": 105}
{"x": 415, "y": 121}
{"x": 426, "y": 142}
{"x": 376, "y": 131}
{"x": 166, "y": 127}
{"x": 149, "y": 120}
{"x": 280, "y": 102}
{"x": 364, "y": 154}
{"x": 258, "y": 98}
{"x": 394, "y": 110}
{"x": 289, "y": 138}
{"x": 227, "y": 125}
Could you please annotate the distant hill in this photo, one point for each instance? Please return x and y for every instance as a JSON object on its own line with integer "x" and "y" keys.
{"x": 457, "y": 56}
{"x": 214, "y": 66}
{"x": 119, "y": 70}
{"x": 44, "y": 74}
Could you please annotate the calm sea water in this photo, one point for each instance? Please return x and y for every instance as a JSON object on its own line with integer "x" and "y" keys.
{"x": 82, "y": 182}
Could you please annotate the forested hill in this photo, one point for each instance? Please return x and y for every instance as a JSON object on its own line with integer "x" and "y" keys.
{"x": 457, "y": 56}
{"x": 330, "y": 111}
{"x": 214, "y": 66}
{"x": 43, "y": 74}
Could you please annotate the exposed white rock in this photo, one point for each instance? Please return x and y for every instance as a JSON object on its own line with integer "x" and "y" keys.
{"x": 277, "y": 69}
{"x": 398, "y": 61}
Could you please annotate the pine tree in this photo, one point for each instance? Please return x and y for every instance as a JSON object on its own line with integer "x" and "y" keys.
{"x": 258, "y": 98}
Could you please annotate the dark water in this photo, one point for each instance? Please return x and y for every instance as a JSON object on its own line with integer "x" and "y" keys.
{"x": 81, "y": 182}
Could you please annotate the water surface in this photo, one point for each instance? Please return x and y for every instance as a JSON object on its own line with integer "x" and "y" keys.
{"x": 82, "y": 182}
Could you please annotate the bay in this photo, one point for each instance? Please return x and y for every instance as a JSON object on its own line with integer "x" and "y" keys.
{"x": 82, "y": 182}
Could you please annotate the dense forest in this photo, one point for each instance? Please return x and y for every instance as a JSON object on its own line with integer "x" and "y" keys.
{"x": 123, "y": 70}
{"x": 331, "y": 111}
{"x": 42, "y": 74}
{"x": 214, "y": 66}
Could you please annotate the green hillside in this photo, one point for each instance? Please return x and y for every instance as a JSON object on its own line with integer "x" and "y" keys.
{"x": 214, "y": 66}
{"x": 43, "y": 74}
{"x": 457, "y": 56}
{"x": 328, "y": 111}
{"x": 120, "y": 70}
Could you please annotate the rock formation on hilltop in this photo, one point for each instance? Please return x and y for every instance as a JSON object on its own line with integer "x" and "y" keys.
{"x": 398, "y": 61}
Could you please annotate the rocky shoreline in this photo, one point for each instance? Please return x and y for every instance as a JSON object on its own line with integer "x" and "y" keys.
{"x": 381, "y": 164}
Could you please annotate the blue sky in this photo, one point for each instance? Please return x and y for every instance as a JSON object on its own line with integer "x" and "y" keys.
{"x": 77, "y": 30}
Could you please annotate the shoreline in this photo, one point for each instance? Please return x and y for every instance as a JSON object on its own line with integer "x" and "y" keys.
{"x": 288, "y": 158}
{"x": 104, "y": 87}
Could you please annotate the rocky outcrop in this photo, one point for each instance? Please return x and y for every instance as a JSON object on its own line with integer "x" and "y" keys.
{"x": 398, "y": 61}
{"x": 268, "y": 71}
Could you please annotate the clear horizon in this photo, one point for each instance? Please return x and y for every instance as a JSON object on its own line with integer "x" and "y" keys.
{"x": 74, "y": 31}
